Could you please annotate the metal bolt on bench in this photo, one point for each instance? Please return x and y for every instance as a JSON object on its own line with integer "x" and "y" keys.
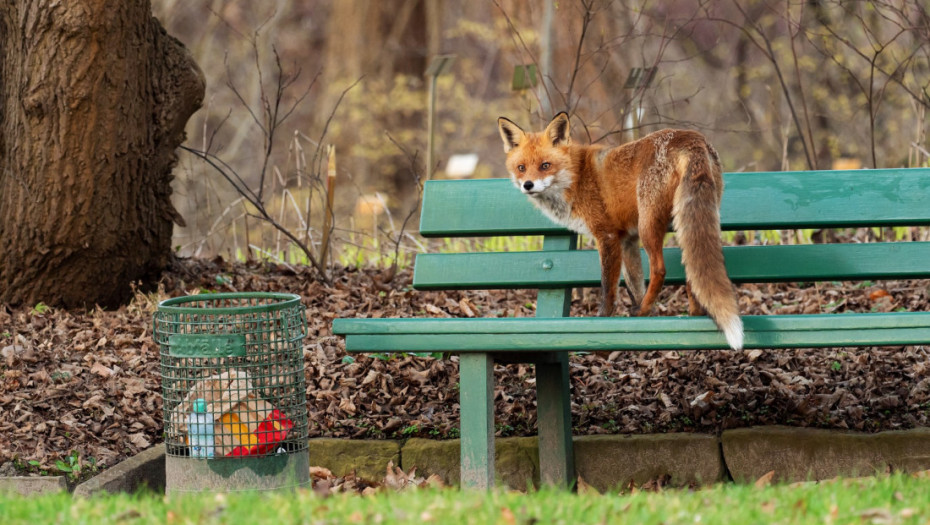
{"x": 235, "y": 407}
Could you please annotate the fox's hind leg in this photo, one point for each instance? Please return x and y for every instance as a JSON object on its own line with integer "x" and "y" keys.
{"x": 652, "y": 231}
{"x": 633, "y": 270}
{"x": 694, "y": 307}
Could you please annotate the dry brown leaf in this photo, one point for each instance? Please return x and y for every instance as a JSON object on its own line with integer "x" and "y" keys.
{"x": 508, "y": 517}
{"x": 466, "y": 308}
{"x": 420, "y": 376}
{"x": 656, "y": 484}
{"x": 323, "y": 487}
{"x": 140, "y": 440}
{"x": 433, "y": 309}
{"x": 433, "y": 481}
{"x": 878, "y": 516}
{"x": 320, "y": 472}
{"x": 9, "y": 353}
{"x": 585, "y": 488}
{"x": 703, "y": 398}
{"x": 667, "y": 401}
{"x": 101, "y": 370}
{"x": 631, "y": 487}
{"x": 347, "y": 406}
{"x": 764, "y": 480}
{"x": 394, "y": 477}
{"x": 370, "y": 377}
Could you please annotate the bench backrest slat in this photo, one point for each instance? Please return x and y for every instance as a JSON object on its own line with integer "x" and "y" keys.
{"x": 751, "y": 201}
{"x": 783, "y": 263}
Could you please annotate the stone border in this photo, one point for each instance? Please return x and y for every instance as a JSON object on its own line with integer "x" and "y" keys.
{"x": 145, "y": 470}
{"x": 367, "y": 458}
{"x": 33, "y": 485}
{"x": 605, "y": 462}
{"x": 808, "y": 454}
{"x": 608, "y": 462}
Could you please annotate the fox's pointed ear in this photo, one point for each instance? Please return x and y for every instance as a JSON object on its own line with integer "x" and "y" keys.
{"x": 511, "y": 133}
{"x": 558, "y": 129}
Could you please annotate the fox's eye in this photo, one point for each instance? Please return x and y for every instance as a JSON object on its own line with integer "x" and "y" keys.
{"x": 522, "y": 168}
{"x": 544, "y": 166}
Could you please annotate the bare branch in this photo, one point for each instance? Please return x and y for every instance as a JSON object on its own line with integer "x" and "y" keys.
{"x": 792, "y": 35}
{"x": 235, "y": 91}
{"x": 520, "y": 44}
{"x": 231, "y": 176}
{"x": 877, "y": 48}
{"x": 317, "y": 155}
{"x": 586, "y": 18}
{"x": 414, "y": 172}
{"x": 750, "y": 29}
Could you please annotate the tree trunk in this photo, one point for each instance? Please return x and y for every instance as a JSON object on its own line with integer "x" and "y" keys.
{"x": 94, "y": 97}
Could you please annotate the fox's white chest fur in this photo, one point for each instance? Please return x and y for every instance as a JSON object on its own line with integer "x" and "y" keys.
{"x": 554, "y": 206}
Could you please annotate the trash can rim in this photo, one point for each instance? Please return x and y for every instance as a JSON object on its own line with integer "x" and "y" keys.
{"x": 174, "y": 304}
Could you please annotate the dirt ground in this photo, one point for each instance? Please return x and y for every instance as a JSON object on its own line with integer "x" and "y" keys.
{"x": 84, "y": 386}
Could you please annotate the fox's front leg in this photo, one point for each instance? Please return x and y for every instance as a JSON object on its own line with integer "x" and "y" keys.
{"x": 609, "y": 249}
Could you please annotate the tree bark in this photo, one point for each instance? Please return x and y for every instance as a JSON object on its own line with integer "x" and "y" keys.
{"x": 94, "y": 97}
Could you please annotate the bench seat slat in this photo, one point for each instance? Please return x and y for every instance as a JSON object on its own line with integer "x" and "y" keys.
{"x": 783, "y": 263}
{"x": 625, "y": 333}
{"x": 751, "y": 201}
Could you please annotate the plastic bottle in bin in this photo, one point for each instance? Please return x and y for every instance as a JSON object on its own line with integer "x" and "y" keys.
{"x": 200, "y": 430}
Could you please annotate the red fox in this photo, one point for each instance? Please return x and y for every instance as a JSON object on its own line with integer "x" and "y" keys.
{"x": 623, "y": 194}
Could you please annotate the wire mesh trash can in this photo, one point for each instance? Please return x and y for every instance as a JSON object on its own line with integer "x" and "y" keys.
{"x": 235, "y": 397}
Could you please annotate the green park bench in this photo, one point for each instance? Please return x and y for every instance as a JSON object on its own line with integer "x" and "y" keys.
{"x": 751, "y": 201}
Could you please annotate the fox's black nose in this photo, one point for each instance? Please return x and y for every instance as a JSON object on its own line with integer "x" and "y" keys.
{"x": 528, "y": 185}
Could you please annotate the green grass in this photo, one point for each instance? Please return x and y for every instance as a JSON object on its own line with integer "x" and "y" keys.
{"x": 361, "y": 251}
{"x": 890, "y": 499}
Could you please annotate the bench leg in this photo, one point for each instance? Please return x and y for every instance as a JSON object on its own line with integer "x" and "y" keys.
{"x": 554, "y": 421}
{"x": 476, "y": 399}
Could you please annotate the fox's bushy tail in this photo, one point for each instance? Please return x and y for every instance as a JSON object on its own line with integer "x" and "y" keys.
{"x": 697, "y": 223}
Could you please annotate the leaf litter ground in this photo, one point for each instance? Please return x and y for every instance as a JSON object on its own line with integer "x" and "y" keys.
{"x": 84, "y": 385}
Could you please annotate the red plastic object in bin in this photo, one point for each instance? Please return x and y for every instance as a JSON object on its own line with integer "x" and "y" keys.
{"x": 269, "y": 433}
